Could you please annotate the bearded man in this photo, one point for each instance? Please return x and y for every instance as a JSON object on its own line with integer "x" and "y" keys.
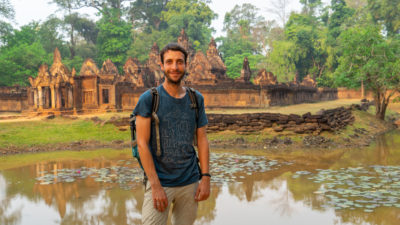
{"x": 174, "y": 178}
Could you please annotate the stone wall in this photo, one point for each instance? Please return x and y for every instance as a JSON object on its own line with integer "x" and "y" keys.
{"x": 345, "y": 93}
{"x": 328, "y": 120}
{"x": 289, "y": 94}
{"x": 13, "y": 99}
{"x": 234, "y": 97}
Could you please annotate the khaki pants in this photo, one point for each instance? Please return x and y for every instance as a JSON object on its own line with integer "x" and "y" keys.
{"x": 184, "y": 207}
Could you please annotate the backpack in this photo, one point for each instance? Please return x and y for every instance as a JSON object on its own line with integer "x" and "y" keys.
{"x": 155, "y": 103}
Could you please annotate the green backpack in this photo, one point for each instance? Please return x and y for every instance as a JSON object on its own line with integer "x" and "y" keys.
{"x": 155, "y": 103}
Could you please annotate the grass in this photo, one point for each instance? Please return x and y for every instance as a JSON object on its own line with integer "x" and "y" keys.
{"x": 58, "y": 130}
{"x": 37, "y": 131}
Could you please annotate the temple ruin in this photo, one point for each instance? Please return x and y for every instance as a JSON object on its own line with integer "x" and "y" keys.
{"x": 59, "y": 90}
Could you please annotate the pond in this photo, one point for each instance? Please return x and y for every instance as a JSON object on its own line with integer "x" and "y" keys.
{"x": 359, "y": 186}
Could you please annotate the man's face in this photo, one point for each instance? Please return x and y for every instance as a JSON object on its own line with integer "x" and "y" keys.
{"x": 174, "y": 66}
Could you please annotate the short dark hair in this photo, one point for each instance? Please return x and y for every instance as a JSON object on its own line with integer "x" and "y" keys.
{"x": 173, "y": 46}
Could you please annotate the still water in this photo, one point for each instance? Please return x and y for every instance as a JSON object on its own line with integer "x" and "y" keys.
{"x": 360, "y": 186}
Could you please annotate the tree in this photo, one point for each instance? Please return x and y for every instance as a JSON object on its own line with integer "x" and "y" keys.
{"x": 115, "y": 9}
{"x": 75, "y": 25}
{"x": 387, "y": 13}
{"x": 21, "y": 56}
{"x": 340, "y": 13}
{"x": 369, "y": 57}
{"x": 247, "y": 32}
{"x": 7, "y": 12}
{"x": 356, "y": 4}
{"x": 147, "y": 14}
{"x": 310, "y": 44}
{"x": 279, "y": 8}
{"x": 113, "y": 40}
{"x": 281, "y": 60}
{"x": 194, "y": 16}
{"x": 6, "y": 9}
{"x": 234, "y": 64}
{"x": 310, "y": 6}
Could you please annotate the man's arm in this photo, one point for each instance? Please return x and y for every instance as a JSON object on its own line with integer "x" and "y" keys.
{"x": 203, "y": 191}
{"x": 143, "y": 126}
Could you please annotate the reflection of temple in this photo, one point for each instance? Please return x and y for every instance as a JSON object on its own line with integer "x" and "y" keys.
{"x": 59, "y": 90}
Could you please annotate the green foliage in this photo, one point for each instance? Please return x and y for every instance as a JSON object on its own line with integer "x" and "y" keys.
{"x": 142, "y": 43}
{"x": 369, "y": 57}
{"x": 60, "y": 130}
{"x": 194, "y": 16}
{"x": 310, "y": 6}
{"x": 282, "y": 59}
{"x": 146, "y": 15}
{"x": 234, "y": 64}
{"x": 340, "y": 13}
{"x": 22, "y": 56}
{"x": 303, "y": 51}
{"x": 6, "y": 10}
{"x": 247, "y": 32}
{"x": 386, "y": 12}
{"x": 169, "y": 18}
{"x": 113, "y": 41}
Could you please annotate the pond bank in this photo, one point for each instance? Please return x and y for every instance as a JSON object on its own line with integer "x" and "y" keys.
{"x": 92, "y": 132}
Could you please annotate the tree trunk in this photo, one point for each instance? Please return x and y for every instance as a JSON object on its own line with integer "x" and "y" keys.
{"x": 381, "y": 103}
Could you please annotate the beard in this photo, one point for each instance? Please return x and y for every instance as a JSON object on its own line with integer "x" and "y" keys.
{"x": 172, "y": 81}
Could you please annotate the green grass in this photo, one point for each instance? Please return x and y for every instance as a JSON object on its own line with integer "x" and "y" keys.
{"x": 58, "y": 130}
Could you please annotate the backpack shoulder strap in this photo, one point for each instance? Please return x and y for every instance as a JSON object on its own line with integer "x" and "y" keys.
{"x": 154, "y": 108}
{"x": 155, "y": 99}
{"x": 193, "y": 99}
{"x": 194, "y": 105}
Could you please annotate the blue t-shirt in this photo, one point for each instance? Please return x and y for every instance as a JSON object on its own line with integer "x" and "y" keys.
{"x": 177, "y": 165}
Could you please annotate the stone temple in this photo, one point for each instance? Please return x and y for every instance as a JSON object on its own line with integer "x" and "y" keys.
{"x": 58, "y": 90}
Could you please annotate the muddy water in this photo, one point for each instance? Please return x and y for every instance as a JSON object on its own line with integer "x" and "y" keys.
{"x": 361, "y": 186}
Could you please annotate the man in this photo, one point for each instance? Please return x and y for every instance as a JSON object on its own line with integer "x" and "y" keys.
{"x": 174, "y": 178}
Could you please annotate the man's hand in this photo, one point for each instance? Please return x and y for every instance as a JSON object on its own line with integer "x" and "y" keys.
{"x": 203, "y": 190}
{"x": 160, "y": 199}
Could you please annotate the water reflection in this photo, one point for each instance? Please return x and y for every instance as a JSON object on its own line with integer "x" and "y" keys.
{"x": 248, "y": 196}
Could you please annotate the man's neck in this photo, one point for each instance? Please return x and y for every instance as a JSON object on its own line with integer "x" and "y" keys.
{"x": 175, "y": 90}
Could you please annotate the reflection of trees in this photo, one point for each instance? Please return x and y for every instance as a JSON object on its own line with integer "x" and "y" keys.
{"x": 282, "y": 201}
{"x": 207, "y": 211}
{"x": 113, "y": 209}
{"x": 72, "y": 200}
{"x": 382, "y": 149}
{"x": 11, "y": 218}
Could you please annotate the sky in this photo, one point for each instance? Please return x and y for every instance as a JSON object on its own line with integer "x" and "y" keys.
{"x": 29, "y": 10}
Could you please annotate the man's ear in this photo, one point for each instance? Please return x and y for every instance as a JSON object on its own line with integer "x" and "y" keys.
{"x": 161, "y": 66}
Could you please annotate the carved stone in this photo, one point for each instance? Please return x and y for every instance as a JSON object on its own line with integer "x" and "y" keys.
{"x": 245, "y": 73}
{"x": 89, "y": 68}
{"x": 153, "y": 74}
{"x": 308, "y": 81}
{"x": 109, "y": 68}
{"x": 200, "y": 71}
{"x": 217, "y": 65}
{"x": 133, "y": 72}
{"x": 264, "y": 78}
{"x": 58, "y": 69}
{"x": 183, "y": 40}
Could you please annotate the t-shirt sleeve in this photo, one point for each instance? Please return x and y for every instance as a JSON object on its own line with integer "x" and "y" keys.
{"x": 202, "y": 121}
{"x": 143, "y": 106}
